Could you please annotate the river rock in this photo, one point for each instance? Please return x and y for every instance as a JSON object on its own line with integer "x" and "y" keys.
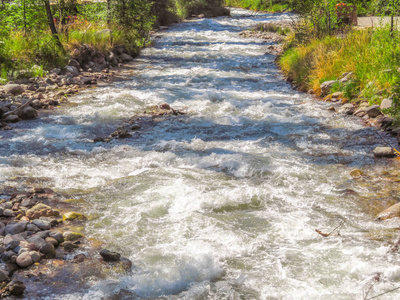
{"x": 15, "y": 228}
{"x": 346, "y": 109}
{"x": 24, "y": 260}
{"x": 381, "y": 152}
{"x": 125, "y": 57}
{"x": 35, "y": 256}
{"x": 40, "y": 210}
{"x": 70, "y": 70}
{"x": 48, "y": 250}
{"x": 373, "y": 111}
{"x": 70, "y": 216}
{"x": 392, "y": 212}
{"x": 68, "y": 246}
{"x": 346, "y": 77}
{"x": 16, "y": 288}
{"x": 72, "y": 236}
{"x": 15, "y": 89}
{"x": 42, "y": 224}
{"x": 52, "y": 241}
{"x": 32, "y": 227}
{"x": 109, "y": 255}
{"x": 12, "y": 119}
{"x": 112, "y": 59}
{"x": 57, "y": 235}
{"x": 74, "y": 63}
{"x": 3, "y": 276}
{"x": 326, "y": 87}
{"x": 28, "y": 113}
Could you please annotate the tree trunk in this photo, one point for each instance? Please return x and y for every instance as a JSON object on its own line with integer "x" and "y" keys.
{"x": 50, "y": 19}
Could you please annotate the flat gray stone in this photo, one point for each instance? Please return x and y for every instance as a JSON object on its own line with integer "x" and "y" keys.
{"x": 384, "y": 152}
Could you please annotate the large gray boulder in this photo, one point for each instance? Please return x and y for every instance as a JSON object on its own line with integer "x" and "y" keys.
{"x": 74, "y": 63}
{"x": 326, "y": 87}
{"x": 70, "y": 70}
{"x": 15, "y": 89}
{"x": 125, "y": 57}
{"x": 28, "y": 113}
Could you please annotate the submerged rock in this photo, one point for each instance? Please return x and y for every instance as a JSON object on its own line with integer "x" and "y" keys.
{"x": 72, "y": 236}
{"x": 109, "y": 255}
{"x": 70, "y": 216}
{"x": 392, "y": 212}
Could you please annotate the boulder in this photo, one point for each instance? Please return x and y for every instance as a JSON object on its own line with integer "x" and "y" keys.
{"x": 386, "y": 103}
{"x": 125, "y": 57}
{"x": 337, "y": 95}
{"x": 35, "y": 256}
{"x": 73, "y": 71}
{"x": 42, "y": 224}
{"x": 391, "y": 212}
{"x": 346, "y": 77}
{"x": 24, "y": 260}
{"x": 28, "y": 113}
{"x": 112, "y": 59}
{"x": 16, "y": 288}
{"x": 74, "y": 63}
{"x": 40, "y": 210}
{"x": 326, "y": 87}
{"x": 70, "y": 216}
{"x": 109, "y": 255}
{"x": 3, "y": 276}
{"x": 15, "y": 89}
{"x": 373, "y": 111}
{"x": 347, "y": 109}
{"x": 52, "y": 241}
{"x": 48, "y": 250}
{"x": 15, "y": 228}
{"x": 57, "y": 235}
{"x": 72, "y": 236}
{"x": 384, "y": 152}
{"x": 12, "y": 119}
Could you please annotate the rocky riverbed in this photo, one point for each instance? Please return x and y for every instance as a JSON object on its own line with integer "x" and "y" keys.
{"x": 42, "y": 244}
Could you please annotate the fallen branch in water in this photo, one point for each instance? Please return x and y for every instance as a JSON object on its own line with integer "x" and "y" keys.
{"x": 18, "y": 108}
{"x": 330, "y": 233}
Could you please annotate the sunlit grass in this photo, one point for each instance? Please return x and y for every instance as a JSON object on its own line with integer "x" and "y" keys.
{"x": 373, "y": 57}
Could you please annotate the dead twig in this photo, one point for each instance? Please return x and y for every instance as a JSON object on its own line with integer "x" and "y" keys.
{"x": 18, "y": 108}
{"x": 337, "y": 228}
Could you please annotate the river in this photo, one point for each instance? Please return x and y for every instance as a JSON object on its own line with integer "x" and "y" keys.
{"x": 221, "y": 203}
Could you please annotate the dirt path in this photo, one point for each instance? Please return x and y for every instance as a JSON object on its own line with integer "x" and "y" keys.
{"x": 376, "y": 21}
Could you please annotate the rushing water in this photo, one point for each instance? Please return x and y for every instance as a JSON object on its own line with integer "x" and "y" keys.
{"x": 221, "y": 203}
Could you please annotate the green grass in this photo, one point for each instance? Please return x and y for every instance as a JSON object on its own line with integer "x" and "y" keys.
{"x": 373, "y": 57}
